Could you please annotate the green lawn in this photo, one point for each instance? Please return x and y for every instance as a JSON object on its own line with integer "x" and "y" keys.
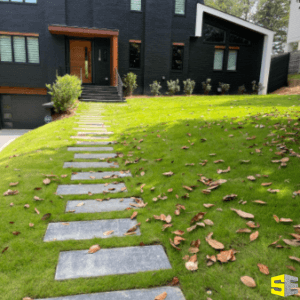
{"x": 152, "y": 129}
{"x": 294, "y": 76}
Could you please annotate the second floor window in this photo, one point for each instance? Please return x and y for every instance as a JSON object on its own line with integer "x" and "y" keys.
{"x": 213, "y": 34}
{"x": 134, "y": 55}
{"x": 136, "y": 5}
{"x": 179, "y": 7}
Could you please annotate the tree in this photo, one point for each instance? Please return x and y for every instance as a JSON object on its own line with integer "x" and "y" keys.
{"x": 274, "y": 14}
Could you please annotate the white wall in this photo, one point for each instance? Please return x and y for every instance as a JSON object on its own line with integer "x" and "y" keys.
{"x": 294, "y": 22}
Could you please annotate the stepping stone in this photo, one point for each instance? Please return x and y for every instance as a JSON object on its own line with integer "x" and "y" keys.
{"x": 127, "y": 260}
{"x": 98, "y": 175}
{"x": 87, "y": 230}
{"x": 95, "y": 156}
{"x": 92, "y": 126}
{"x": 91, "y": 148}
{"x": 94, "y": 206}
{"x": 90, "y": 123}
{"x": 85, "y": 189}
{"x": 95, "y": 133}
{"x": 86, "y": 165}
{"x": 91, "y": 129}
{"x": 174, "y": 293}
{"x": 90, "y": 137}
{"x": 95, "y": 143}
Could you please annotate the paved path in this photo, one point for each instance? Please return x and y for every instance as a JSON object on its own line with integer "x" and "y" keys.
{"x": 9, "y": 135}
{"x": 111, "y": 261}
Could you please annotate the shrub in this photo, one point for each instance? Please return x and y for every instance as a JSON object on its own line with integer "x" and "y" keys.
{"x": 224, "y": 87}
{"x": 173, "y": 87}
{"x": 242, "y": 89}
{"x": 155, "y": 87}
{"x": 189, "y": 86}
{"x": 64, "y": 91}
{"x": 206, "y": 86}
{"x": 129, "y": 82}
{"x": 256, "y": 88}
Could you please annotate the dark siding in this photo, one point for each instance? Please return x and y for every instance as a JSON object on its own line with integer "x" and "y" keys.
{"x": 248, "y": 60}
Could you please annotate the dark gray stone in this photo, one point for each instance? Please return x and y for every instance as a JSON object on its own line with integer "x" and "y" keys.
{"x": 94, "y": 206}
{"x": 97, "y": 175}
{"x": 174, "y": 293}
{"x": 91, "y": 123}
{"x": 89, "y": 149}
{"x": 86, "y": 230}
{"x": 95, "y": 133}
{"x": 94, "y": 156}
{"x": 84, "y": 189}
{"x": 90, "y": 137}
{"x": 127, "y": 260}
{"x": 99, "y": 129}
{"x": 86, "y": 165}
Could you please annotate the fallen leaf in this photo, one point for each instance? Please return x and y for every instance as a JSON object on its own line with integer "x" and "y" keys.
{"x": 16, "y": 232}
{"x": 168, "y": 173}
{"x": 46, "y": 217}
{"x": 276, "y": 218}
{"x": 178, "y": 232}
{"x": 165, "y": 226}
{"x": 175, "y": 281}
{"x": 291, "y": 268}
{"x": 273, "y": 191}
{"x": 196, "y": 243}
{"x": 198, "y": 217}
{"x": 252, "y": 178}
{"x": 295, "y": 243}
{"x": 31, "y": 225}
{"x": 243, "y": 214}
{"x": 259, "y": 202}
{"x": 133, "y": 215}
{"x": 173, "y": 245}
{"x": 64, "y": 176}
{"x": 36, "y": 198}
{"x": 193, "y": 250}
{"x": 191, "y": 266}
{"x": 5, "y": 249}
{"x": 191, "y": 228}
{"x": 170, "y": 190}
{"x": 46, "y": 181}
{"x": 208, "y": 222}
{"x": 178, "y": 240}
{"x": 161, "y": 296}
{"x": 225, "y": 256}
{"x": 213, "y": 243}
{"x": 243, "y": 230}
{"x": 229, "y": 197}
{"x": 248, "y": 281}
{"x": 106, "y": 233}
{"x": 219, "y": 171}
{"x": 184, "y": 147}
{"x": 294, "y": 258}
{"x": 274, "y": 243}
{"x": 263, "y": 269}
{"x": 285, "y": 220}
{"x": 266, "y": 184}
{"x": 187, "y": 188}
{"x": 26, "y": 205}
{"x": 36, "y": 211}
{"x": 254, "y": 236}
{"x": 208, "y": 205}
{"x": 10, "y": 193}
{"x": 13, "y": 183}
{"x": 94, "y": 249}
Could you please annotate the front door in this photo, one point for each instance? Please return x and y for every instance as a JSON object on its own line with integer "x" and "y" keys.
{"x": 81, "y": 60}
{"x": 102, "y": 61}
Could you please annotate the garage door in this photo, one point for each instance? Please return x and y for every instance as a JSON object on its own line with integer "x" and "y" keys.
{"x": 22, "y": 111}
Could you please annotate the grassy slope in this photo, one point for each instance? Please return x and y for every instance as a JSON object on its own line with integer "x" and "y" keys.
{"x": 28, "y": 266}
{"x": 294, "y": 76}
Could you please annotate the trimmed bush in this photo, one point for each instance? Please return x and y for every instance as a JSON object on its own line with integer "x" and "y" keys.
{"x": 206, "y": 86}
{"x": 129, "y": 82}
{"x": 224, "y": 87}
{"x": 64, "y": 91}
{"x": 173, "y": 87}
{"x": 155, "y": 87}
{"x": 242, "y": 89}
{"x": 256, "y": 88}
{"x": 189, "y": 86}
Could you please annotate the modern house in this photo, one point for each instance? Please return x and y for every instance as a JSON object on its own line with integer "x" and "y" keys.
{"x": 99, "y": 39}
{"x": 294, "y": 25}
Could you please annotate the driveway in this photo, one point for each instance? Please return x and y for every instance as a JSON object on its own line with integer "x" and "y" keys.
{"x": 8, "y": 135}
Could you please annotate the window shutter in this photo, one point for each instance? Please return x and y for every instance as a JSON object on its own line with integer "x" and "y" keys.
{"x": 33, "y": 50}
{"x": 136, "y": 5}
{"x": 180, "y": 7}
{"x": 19, "y": 49}
{"x": 5, "y": 48}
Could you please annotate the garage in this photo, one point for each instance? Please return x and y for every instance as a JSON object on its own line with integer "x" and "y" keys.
{"x": 22, "y": 111}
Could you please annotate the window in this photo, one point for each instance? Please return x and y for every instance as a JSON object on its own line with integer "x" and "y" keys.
{"x": 136, "y": 5}
{"x": 179, "y": 7}
{"x": 177, "y": 57}
{"x": 135, "y": 55}
{"x": 20, "y": 1}
{"x": 213, "y": 34}
{"x": 218, "y": 60}
{"x": 236, "y": 39}
{"x": 25, "y": 49}
{"x": 232, "y": 58}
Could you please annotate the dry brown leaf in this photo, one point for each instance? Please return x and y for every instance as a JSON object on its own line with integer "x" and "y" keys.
{"x": 219, "y": 171}
{"x": 225, "y": 256}
{"x": 206, "y": 192}
{"x": 168, "y": 173}
{"x": 26, "y": 205}
{"x": 165, "y": 226}
{"x": 285, "y": 220}
{"x": 243, "y": 214}
{"x": 10, "y": 193}
{"x": 243, "y": 230}
{"x": 248, "y": 281}
{"x": 161, "y": 296}
{"x": 295, "y": 243}
{"x": 198, "y": 217}
{"x": 294, "y": 258}
{"x": 191, "y": 228}
{"x": 37, "y": 211}
{"x": 273, "y": 191}
{"x": 193, "y": 250}
{"x": 36, "y": 198}
{"x": 170, "y": 190}
{"x": 208, "y": 205}
{"x": 213, "y": 243}
{"x": 173, "y": 245}
{"x": 251, "y": 224}
{"x": 196, "y": 243}
{"x": 80, "y": 204}
{"x": 123, "y": 189}
{"x": 276, "y": 218}
{"x": 295, "y": 236}
{"x": 208, "y": 222}
{"x": 254, "y": 236}
{"x": 252, "y": 178}
{"x": 178, "y": 232}
{"x": 259, "y": 202}
{"x": 218, "y": 161}
{"x": 46, "y": 181}
{"x": 64, "y": 176}
{"x": 229, "y": 197}
{"x": 106, "y": 233}
{"x": 27, "y": 298}
{"x": 187, "y": 188}
{"x": 13, "y": 183}
{"x": 94, "y": 249}
{"x": 178, "y": 239}
{"x": 297, "y": 228}
{"x": 291, "y": 268}
{"x": 46, "y": 216}
{"x": 175, "y": 281}
{"x": 263, "y": 269}
{"x": 274, "y": 243}
{"x": 133, "y": 215}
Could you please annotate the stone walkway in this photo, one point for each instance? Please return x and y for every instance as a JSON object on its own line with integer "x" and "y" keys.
{"x": 112, "y": 261}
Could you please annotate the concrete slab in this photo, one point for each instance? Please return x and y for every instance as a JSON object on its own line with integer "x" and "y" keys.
{"x": 88, "y": 149}
{"x": 94, "y": 206}
{"x": 85, "y": 189}
{"x": 95, "y": 143}
{"x": 95, "y": 133}
{"x": 86, "y": 165}
{"x": 93, "y": 129}
{"x": 127, "y": 260}
{"x": 90, "y": 137}
{"x": 9, "y": 135}
{"x": 173, "y": 293}
{"x": 94, "y": 156}
{"x": 91, "y": 123}
{"x": 87, "y": 230}
{"x": 97, "y": 175}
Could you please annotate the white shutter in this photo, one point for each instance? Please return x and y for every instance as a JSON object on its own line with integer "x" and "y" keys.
{"x": 180, "y": 7}
{"x": 19, "y": 49}
{"x": 232, "y": 56}
{"x": 136, "y": 5}
{"x": 33, "y": 50}
{"x": 5, "y": 48}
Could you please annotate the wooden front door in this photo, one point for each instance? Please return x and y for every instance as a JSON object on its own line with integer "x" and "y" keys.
{"x": 81, "y": 60}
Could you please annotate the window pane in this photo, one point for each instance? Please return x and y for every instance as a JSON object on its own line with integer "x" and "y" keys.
{"x": 213, "y": 34}
{"x": 5, "y": 48}
{"x": 135, "y": 56}
{"x": 218, "y": 61}
{"x": 19, "y": 49}
{"x": 177, "y": 57}
{"x": 180, "y": 7}
{"x": 33, "y": 50}
{"x": 136, "y": 5}
{"x": 31, "y": 1}
{"x": 4, "y": 0}
{"x": 232, "y": 56}
{"x": 16, "y": 0}
{"x": 235, "y": 39}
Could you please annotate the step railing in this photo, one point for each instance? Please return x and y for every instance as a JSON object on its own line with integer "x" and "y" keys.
{"x": 119, "y": 84}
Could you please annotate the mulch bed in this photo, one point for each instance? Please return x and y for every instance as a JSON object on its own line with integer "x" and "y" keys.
{"x": 69, "y": 113}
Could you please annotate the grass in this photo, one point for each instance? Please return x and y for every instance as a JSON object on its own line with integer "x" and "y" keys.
{"x": 294, "y": 76}
{"x": 165, "y": 125}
